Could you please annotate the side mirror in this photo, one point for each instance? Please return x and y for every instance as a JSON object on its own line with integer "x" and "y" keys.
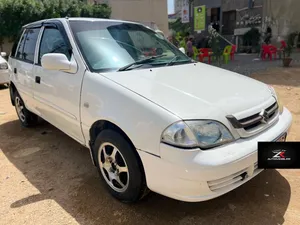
{"x": 182, "y": 50}
{"x": 58, "y": 61}
{"x": 3, "y": 54}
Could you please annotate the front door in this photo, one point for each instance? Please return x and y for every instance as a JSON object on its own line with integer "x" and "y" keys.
{"x": 57, "y": 93}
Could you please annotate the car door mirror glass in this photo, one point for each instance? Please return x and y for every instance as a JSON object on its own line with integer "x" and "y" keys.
{"x": 57, "y": 61}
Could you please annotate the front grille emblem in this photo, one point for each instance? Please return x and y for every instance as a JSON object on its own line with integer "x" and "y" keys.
{"x": 264, "y": 116}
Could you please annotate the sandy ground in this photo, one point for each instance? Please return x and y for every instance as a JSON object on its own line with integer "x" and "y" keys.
{"x": 47, "y": 178}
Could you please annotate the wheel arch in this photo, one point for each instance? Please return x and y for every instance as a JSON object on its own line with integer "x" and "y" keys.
{"x": 12, "y": 91}
{"x": 102, "y": 125}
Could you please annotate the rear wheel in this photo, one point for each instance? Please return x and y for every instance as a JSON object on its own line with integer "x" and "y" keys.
{"x": 120, "y": 167}
{"x": 26, "y": 117}
{"x": 4, "y": 85}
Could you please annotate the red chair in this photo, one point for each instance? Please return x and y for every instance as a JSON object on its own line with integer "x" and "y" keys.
{"x": 233, "y": 49}
{"x": 268, "y": 50}
{"x": 205, "y": 53}
{"x": 273, "y": 50}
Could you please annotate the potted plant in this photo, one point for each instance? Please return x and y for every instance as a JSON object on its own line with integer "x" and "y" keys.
{"x": 287, "y": 51}
{"x": 214, "y": 43}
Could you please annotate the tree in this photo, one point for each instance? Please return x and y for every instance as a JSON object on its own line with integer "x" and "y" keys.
{"x": 178, "y": 26}
{"x": 96, "y": 10}
{"x": 16, "y": 13}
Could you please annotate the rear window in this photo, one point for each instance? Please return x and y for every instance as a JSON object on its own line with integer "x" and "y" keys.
{"x": 26, "y": 49}
{"x": 14, "y": 47}
{"x": 30, "y": 43}
{"x": 21, "y": 46}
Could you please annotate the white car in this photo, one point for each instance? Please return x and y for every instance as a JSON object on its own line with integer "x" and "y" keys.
{"x": 4, "y": 75}
{"x": 162, "y": 122}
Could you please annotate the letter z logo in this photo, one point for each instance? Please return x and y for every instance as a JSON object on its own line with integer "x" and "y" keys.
{"x": 279, "y": 155}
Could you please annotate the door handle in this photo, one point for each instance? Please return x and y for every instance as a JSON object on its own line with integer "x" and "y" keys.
{"x": 15, "y": 70}
{"x": 37, "y": 80}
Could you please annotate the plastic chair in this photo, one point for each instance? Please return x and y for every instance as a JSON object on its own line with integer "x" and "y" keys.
{"x": 268, "y": 50}
{"x": 205, "y": 53}
{"x": 196, "y": 53}
{"x": 226, "y": 53}
{"x": 232, "y": 53}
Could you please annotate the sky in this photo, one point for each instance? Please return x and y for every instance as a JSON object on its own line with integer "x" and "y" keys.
{"x": 170, "y": 6}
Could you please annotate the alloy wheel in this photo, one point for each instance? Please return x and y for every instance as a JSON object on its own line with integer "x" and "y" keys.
{"x": 113, "y": 167}
{"x": 20, "y": 109}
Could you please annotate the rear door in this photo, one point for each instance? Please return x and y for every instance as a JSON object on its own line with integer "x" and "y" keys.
{"x": 22, "y": 66}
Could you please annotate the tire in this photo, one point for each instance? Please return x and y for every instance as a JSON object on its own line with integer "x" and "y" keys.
{"x": 134, "y": 183}
{"x": 3, "y": 86}
{"x": 26, "y": 117}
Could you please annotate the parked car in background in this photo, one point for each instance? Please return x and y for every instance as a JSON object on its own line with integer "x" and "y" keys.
{"x": 4, "y": 75}
{"x": 163, "y": 122}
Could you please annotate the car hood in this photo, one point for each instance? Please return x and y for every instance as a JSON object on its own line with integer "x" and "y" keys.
{"x": 194, "y": 91}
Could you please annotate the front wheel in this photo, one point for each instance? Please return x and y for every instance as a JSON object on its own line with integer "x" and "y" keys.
{"x": 120, "y": 167}
{"x": 26, "y": 117}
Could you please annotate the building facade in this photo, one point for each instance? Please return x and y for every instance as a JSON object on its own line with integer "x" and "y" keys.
{"x": 153, "y": 13}
{"x": 234, "y": 17}
{"x": 178, "y": 6}
{"x": 282, "y": 16}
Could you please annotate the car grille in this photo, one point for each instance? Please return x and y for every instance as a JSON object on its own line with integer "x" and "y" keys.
{"x": 255, "y": 123}
{"x": 232, "y": 180}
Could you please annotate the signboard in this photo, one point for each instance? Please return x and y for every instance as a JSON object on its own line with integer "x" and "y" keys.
{"x": 185, "y": 12}
{"x": 199, "y": 18}
{"x": 185, "y": 15}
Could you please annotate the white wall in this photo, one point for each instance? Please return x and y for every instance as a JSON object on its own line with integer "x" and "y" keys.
{"x": 145, "y": 11}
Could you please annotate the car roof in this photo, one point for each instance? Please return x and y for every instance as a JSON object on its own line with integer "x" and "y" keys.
{"x": 36, "y": 23}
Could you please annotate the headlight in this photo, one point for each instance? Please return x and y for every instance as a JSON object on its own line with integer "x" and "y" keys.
{"x": 280, "y": 105}
{"x": 201, "y": 133}
{"x": 3, "y": 66}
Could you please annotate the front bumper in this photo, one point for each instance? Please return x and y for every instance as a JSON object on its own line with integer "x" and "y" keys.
{"x": 197, "y": 175}
{"x": 4, "y": 77}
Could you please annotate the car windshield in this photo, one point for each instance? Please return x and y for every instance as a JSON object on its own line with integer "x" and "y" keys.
{"x": 111, "y": 45}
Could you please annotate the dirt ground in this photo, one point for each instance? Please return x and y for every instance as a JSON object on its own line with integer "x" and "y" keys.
{"x": 48, "y": 178}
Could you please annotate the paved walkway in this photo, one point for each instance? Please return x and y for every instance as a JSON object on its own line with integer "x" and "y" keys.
{"x": 247, "y": 64}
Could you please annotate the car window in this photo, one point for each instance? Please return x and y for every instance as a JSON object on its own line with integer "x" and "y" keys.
{"x": 109, "y": 46}
{"x": 30, "y": 43}
{"x": 53, "y": 42}
{"x": 144, "y": 42}
{"x": 21, "y": 46}
{"x": 14, "y": 48}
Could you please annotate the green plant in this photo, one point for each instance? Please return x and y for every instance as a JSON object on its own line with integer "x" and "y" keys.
{"x": 214, "y": 43}
{"x": 16, "y": 13}
{"x": 252, "y": 38}
{"x": 290, "y": 44}
{"x": 179, "y": 27}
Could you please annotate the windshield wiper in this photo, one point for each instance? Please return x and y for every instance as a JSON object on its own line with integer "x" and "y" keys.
{"x": 173, "y": 60}
{"x": 140, "y": 62}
